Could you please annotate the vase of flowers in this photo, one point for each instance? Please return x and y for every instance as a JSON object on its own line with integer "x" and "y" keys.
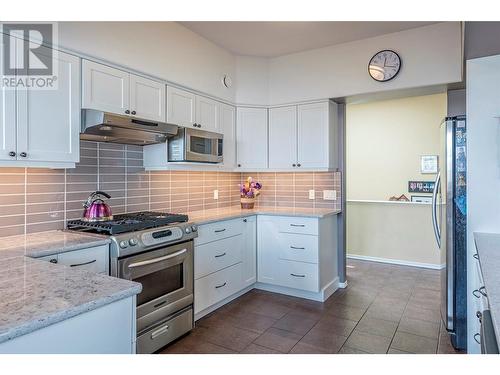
{"x": 249, "y": 191}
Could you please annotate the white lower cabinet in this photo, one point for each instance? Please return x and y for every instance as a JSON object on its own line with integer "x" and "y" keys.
{"x": 93, "y": 259}
{"x": 285, "y": 254}
{"x": 224, "y": 261}
{"x": 109, "y": 329}
{"x": 216, "y": 287}
{"x": 298, "y": 254}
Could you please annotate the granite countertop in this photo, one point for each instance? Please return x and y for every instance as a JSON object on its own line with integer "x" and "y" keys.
{"x": 233, "y": 212}
{"x": 35, "y": 293}
{"x": 488, "y": 248}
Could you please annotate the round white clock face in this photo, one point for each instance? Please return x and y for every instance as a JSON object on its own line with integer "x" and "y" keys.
{"x": 384, "y": 66}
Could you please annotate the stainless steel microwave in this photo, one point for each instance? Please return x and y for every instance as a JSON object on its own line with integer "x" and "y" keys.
{"x": 194, "y": 145}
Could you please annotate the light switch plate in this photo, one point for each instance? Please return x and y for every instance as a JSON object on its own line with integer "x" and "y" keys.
{"x": 311, "y": 194}
{"x": 329, "y": 195}
{"x": 216, "y": 194}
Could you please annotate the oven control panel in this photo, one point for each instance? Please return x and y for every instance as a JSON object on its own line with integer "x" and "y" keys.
{"x": 159, "y": 236}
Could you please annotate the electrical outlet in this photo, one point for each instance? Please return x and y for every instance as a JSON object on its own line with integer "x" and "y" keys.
{"x": 216, "y": 194}
{"x": 311, "y": 194}
{"x": 329, "y": 195}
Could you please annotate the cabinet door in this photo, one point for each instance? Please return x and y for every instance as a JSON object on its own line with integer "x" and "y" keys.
{"x": 313, "y": 135}
{"x": 283, "y": 137}
{"x": 251, "y": 137}
{"x": 207, "y": 113}
{"x": 147, "y": 98}
{"x": 48, "y": 121}
{"x": 7, "y": 123}
{"x": 7, "y": 116}
{"x": 227, "y": 126}
{"x": 180, "y": 107}
{"x": 249, "y": 254}
{"x": 105, "y": 88}
{"x": 267, "y": 250}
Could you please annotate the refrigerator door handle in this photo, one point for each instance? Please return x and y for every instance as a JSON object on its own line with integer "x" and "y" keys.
{"x": 437, "y": 230}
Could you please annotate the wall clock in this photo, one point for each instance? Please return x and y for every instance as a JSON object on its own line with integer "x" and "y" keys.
{"x": 384, "y": 65}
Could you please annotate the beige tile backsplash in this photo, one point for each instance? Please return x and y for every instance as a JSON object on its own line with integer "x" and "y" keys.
{"x": 35, "y": 199}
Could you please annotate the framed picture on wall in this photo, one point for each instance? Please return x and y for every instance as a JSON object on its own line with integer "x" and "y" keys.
{"x": 421, "y": 199}
{"x": 429, "y": 164}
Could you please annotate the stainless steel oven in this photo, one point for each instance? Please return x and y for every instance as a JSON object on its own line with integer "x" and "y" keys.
{"x": 166, "y": 275}
{"x": 194, "y": 145}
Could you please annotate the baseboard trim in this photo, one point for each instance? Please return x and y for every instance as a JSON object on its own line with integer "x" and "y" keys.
{"x": 397, "y": 261}
{"x": 321, "y": 296}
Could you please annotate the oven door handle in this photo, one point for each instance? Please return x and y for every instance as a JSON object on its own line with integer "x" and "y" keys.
{"x": 156, "y": 260}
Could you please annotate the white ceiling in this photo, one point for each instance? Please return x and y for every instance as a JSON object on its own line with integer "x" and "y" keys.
{"x": 271, "y": 39}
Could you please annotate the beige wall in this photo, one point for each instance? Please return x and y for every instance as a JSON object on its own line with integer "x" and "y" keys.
{"x": 385, "y": 140}
{"x": 394, "y": 232}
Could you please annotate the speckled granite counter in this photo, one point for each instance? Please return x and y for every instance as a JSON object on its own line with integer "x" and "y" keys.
{"x": 488, "y": 248}
{"x": 218, "y": 214}
{"x": 35, "y": 293}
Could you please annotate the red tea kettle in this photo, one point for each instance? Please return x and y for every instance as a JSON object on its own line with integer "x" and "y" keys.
{"x": 95, "y": 209}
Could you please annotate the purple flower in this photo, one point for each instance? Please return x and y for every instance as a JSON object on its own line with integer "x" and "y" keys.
{"x": 258, "y": 185}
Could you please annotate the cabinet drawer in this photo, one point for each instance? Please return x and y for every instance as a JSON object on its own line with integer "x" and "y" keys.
{"x": 218, "y": 230}
{"x": 301, "y": 225}
{"x": 298, "y": 275}
{"x": 298, "y": 247}
{"x": 94, "y": 259}
{"x": 216, "y": 255}
{"x": 215, "y": 287}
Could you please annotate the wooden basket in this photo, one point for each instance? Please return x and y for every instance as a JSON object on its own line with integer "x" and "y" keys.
{"x": 247, "y": 203}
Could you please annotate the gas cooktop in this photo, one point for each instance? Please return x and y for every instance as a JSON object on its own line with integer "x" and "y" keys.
{"x": 130, "y": 222}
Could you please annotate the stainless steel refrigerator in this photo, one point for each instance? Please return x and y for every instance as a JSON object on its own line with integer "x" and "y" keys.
{"x": 449, "y": 222}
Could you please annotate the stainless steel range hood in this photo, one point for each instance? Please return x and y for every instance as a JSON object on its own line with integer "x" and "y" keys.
{"x": 108, "y": 127}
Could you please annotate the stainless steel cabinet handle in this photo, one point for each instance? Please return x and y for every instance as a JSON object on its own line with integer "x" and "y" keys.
{"x": 23, "y": 154}
{"x": 159, "y": 331}
{"x": 475, "y": 293}
{"x": 476, "y": 339}
{"x": 295, "y": 275}
{"x": 220, "y": 286}
{"x": 482, "y": 291}
{"x": 219, "y": 230}
{"x": 220, "y": 255}
{"x": 297, "y": 248}
{"x": 53, "y": 260}
{"x": 12, "y": 154}
{"x": 297, "y": 225}
{"x": 83, "y": 264}
{"x": 156, "y": 260}
{"x": 134, "y": 112}
{"x": 476, "y": 256}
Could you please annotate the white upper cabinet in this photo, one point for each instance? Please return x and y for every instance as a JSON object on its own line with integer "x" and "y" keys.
{"x": 207, "y": 113}
{"x": 190, "y": 110}
{"x": 48, "y": 121}
{"x": 7, "y": 117}
{"x": 317, "y": 135}
{"x": 227, "y": 126}
{"x": 251, "y": 138}
{"x": 116, "y": 91}
{"x": 41, "y": 127}
{"x": 7, "y": 124}
{"x": 147, "y": 98}
{"x": 283, "y": 137}
{"x": 180, "y": 107}
{"x": 105, "y": 88}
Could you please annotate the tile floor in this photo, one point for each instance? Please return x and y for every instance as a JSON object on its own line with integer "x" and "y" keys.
{"x": 385, "y": 309}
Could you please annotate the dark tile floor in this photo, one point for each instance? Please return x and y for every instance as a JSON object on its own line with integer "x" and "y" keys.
{"x": 385, "y": 309}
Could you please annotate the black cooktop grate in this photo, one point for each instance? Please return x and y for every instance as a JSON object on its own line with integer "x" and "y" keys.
{"x": 130, "y": 222}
